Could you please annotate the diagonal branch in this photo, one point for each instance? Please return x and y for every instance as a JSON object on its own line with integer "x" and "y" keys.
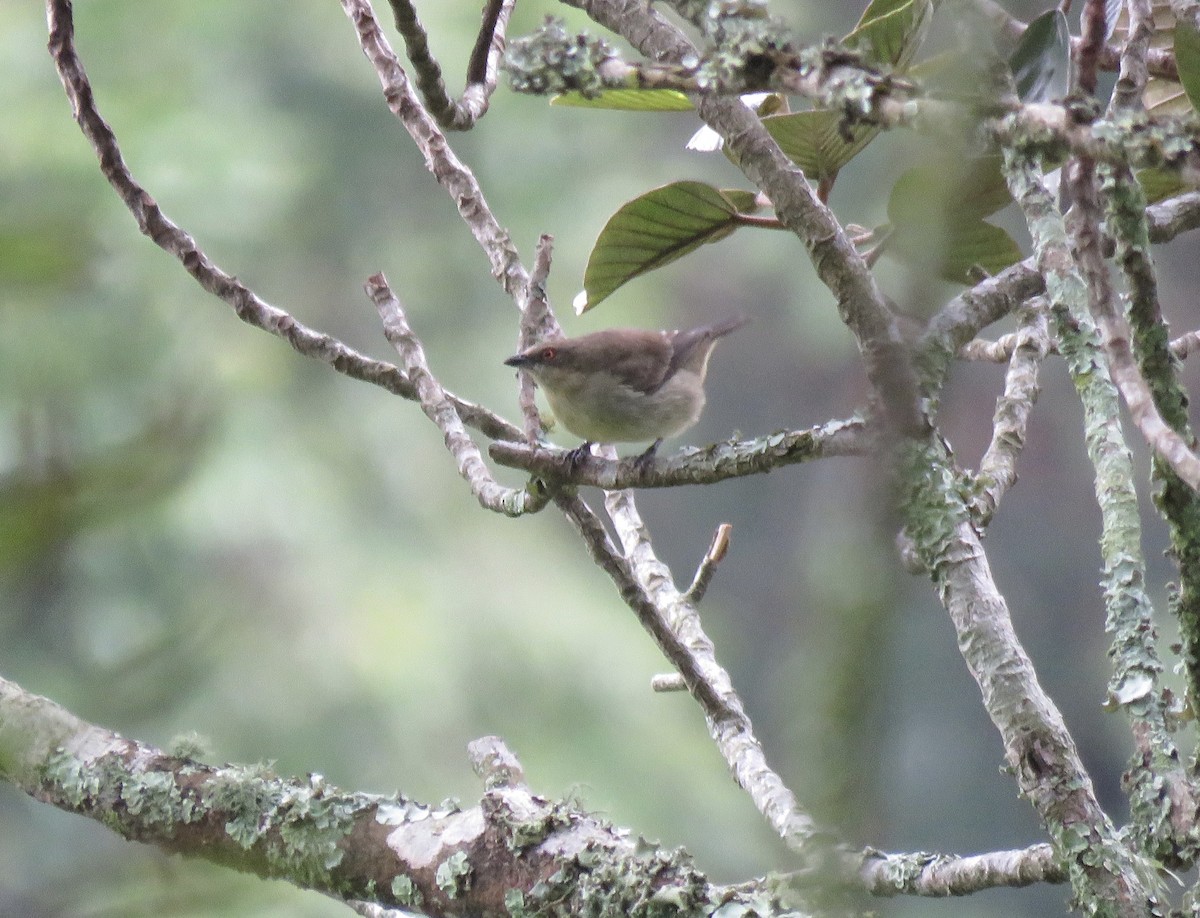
{"x": 646, "y": 587}
{"x": 439, "y": 409}
{"x": 998, "y": 468}
{"x": 173, "y": 240}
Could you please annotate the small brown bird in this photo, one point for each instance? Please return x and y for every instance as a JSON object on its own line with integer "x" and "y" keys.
{"x": 625, "y": 385}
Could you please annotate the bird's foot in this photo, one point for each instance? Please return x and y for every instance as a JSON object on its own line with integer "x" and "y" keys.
{"x": 645, "y": 460}
{"x": 578, "y": 456}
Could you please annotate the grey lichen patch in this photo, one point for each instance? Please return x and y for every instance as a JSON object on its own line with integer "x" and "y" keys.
{"x": 645, "y": 884}
{"x": 553, "y": 60}
{"x": 406, "y": 892}
{"x": 155, "y": 798}
{"x": 453, "y": 875}
{"x": 934, "y": 503}
{"x": 75, "y": 782}
{"x": 190, "y": 745}
{"x": 299, "y": 826}
{"x": 524, "y": 820}
{"x": 147, "y": 798}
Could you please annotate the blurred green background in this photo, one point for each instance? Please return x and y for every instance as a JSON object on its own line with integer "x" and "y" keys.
{"x": 202, "y": 531}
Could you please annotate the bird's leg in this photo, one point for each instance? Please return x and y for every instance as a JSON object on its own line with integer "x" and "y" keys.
{"x": 646, "y": 459}
{"x": 579, "y": 455}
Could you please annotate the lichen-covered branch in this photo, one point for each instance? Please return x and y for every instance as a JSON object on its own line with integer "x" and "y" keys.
{"x": 754, "y": 55}
{"x": 727, "y": 719}
{"x": 998, "y": 467}
{"x": 1106, "y": 876}
{"x": 646, "y": 587}
{"x": 692, "y": 465}
{"x": 439, "y": 409}
{"x": 832, "y": 77}
{"x": 937, "y": 875}
{"x": 482, "y": 68}
{"x": 1133, "y": 685}
{"x": 514, "y": 851}
{"x": 1148, "y": 359}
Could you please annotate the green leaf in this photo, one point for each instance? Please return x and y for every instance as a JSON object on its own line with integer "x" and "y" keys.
{"x": 937, "y": 210}
{"x": 655, "y": 229}
{"x": 1187, "y": 58}
{"x": 945, "y": 189}
{"x": 962, "y": 250}
{"x": 1041, "y": 65}
{"x": 1160, "y": 184}
{"x": 891, "y": 31}
{"x": 628, "y": 100}
{"x": 813, "y": 140}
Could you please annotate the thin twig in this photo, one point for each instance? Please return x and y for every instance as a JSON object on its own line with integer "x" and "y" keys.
{"x": 482, "y": 68}
{"x": 708, "y": 565}
{"x": 490, "y": 494}
{"x": 537, "y": 321}
{"x": 172, "y": 239}
{"x": 667, "y": 682}
{"x": 1001, "y": 350}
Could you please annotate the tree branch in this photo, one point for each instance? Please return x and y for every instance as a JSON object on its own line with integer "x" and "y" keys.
{"x": 173, "y": 240}
{"x": 440, "y": 159}
{"x": 998, "y": 467}
{"x": 482, "y": 68}
{"x": 513, "y": 850}
{"x": 439, "y": 409}
{"x": 718, "y": 462}
{"x": 1130, "y": 621}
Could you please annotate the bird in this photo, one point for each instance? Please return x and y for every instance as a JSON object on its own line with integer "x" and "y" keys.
{"x": 625, "y": 385}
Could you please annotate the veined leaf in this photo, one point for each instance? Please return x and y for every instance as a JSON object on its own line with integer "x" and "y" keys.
{"x": 891, "y": 31}
{"x": 629, "y": 100}
{"x": 655, "y": 229}
{"x": 813, "y": 141}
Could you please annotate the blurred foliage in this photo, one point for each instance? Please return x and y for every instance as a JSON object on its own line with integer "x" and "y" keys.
{"x": 200, "y": 530}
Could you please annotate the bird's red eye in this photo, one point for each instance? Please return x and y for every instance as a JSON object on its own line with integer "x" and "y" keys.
{"x": 549, "y": 353}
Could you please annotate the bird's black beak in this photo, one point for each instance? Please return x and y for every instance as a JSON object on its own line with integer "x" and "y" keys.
{"x": 516, "y": 360}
